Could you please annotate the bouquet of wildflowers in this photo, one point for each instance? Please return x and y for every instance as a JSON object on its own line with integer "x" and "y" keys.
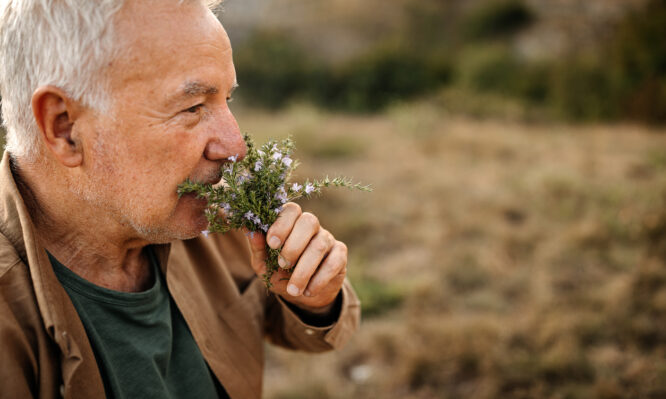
{"x": 254, "y": 190}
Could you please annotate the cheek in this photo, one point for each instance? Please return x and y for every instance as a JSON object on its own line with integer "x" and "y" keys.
{"x": 177, "y": 149}
{"x": 165, "y": 167}
{"x": 167, "y": 160}
{"x": 145, "y": 167}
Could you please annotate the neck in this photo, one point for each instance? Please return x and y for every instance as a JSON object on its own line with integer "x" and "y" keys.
{"x": 80, "y": 238}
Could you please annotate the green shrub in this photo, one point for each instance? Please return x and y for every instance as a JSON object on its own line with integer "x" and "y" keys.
{"x": 628, "y": 78}
{"x": 493, "y": 68}
{"x": 638, "y": 63}
{"x": 486, "y": 68}
{"x": 624, "y": 78}
{"x": 583, "y": 91}
{"x": 380, "y": 78}
{"x": 271, "y": 69}
{"x": 497, "y": 18}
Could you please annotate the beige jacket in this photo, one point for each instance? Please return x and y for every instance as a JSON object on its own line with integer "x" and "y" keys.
{"x": 44, "y": 351}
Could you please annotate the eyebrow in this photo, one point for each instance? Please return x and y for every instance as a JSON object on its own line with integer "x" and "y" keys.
{"x": 196, "y": 88}
{"x": 192, "y": 89}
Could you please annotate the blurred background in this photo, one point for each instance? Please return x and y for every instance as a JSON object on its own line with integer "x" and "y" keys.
{"x": 515, "y": 242}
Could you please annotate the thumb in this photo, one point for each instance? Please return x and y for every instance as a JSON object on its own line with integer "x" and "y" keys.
{"x": 258, "y": 250}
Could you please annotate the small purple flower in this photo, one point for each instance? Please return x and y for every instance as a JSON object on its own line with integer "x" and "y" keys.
{"x": 277, "y": 210}
{"x": 261, "y": 153}
{"x": 287, "y": 161}
{"x": 264, "y": 227}
{"x": 205, "y": 233}
{"x": 233, "y": 158}
{"x": 281, "y": 195}
{"x": 277, "y": 156}
{"x": 309, "y": 188}
{"x": 249, "y": 215}
{"x": 257, "y": 166}
{"x": 256, "y": 220}
{"x": 226, "y": 207}
{"x": 296, "y": 187}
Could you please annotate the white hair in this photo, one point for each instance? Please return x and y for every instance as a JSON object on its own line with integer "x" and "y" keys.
{"x": 64, "y": 43}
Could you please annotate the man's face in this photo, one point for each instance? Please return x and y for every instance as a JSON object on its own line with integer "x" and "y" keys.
{"x": 168, "y": 121}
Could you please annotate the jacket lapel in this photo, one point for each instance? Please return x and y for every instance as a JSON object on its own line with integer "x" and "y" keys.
{"x": 217, "y": 315}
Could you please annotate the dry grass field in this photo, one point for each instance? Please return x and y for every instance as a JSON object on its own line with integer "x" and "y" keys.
{"x": 494, "y": 259}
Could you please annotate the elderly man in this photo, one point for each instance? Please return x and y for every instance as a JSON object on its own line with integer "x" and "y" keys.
{"x": 106, "y": 287}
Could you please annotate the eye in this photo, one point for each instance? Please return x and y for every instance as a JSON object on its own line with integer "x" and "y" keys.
{"x": 194, "y": 109}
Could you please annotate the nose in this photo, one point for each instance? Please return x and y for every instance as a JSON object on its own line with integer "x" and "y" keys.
{"x": 226, "y": 140}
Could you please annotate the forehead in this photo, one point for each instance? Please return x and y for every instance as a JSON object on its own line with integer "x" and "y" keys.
{"x": 168, "y": 43}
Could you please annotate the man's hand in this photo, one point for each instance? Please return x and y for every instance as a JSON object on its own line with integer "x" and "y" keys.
{"x": 321, "y": 261}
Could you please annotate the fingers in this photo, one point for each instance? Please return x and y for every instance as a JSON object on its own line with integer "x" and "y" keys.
{"x": 317, "y": 249}
{"x": 334, "y": 266}
{"x": 301, "y": 236}
{"x": 279, "y": 231}
{"x": 317, "y": 261}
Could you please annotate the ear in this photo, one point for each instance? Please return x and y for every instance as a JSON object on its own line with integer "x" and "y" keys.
{"x": 55, "y": 114}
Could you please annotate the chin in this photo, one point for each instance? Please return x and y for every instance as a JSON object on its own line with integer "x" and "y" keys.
{"x": 189, "y": 219}
{"x": 171, "y": 232}
{"x": 185, "y": 222}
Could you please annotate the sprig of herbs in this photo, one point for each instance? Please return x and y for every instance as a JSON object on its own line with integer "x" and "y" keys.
{"x": 254, "y": 189}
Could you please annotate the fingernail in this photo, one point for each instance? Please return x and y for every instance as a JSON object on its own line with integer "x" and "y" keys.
{"x": 292, "y": 290}
{"x": 274, "y": 242}
{"x": 307, "y": 293}
{"x": 283, "y": 262}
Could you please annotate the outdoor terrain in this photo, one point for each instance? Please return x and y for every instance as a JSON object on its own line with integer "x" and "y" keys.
{"x": 515, "y": 242}
{"x": 494, "y": 259}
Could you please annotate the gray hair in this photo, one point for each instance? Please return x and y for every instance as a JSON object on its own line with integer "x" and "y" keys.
{"x": 64, "y": 43}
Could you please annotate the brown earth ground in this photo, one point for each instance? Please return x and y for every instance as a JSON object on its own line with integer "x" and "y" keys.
{"x": 494, "y": 259}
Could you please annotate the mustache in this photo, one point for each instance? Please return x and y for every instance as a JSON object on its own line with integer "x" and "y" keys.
{"x": 213, "y": 177}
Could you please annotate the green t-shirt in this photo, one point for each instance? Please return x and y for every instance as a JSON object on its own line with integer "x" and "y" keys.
{"x": 141, "y": 342}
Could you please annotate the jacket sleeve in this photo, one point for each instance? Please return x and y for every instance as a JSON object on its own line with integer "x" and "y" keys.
{"x": 285, "y": 328}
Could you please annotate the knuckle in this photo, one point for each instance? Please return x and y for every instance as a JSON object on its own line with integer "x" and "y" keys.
{"x": 310, "y": 218}
{"x": 320, "y": 245}
{"x": 341, "y": 261}
{"x": 339, "y": 264}
{"x": 293, "y": 207}
{"x": 327, "y": 236}
{"x": 342, "y": 247}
